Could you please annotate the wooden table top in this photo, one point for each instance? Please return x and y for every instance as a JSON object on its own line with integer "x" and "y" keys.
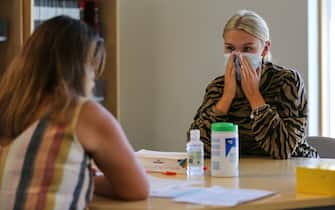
{"x": 255, "y": 173}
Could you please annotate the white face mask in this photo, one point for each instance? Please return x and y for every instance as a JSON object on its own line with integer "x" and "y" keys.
{"x": 253, "y": 58}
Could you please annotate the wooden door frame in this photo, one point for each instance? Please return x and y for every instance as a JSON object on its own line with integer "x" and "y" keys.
{"x": 109, "y": 19}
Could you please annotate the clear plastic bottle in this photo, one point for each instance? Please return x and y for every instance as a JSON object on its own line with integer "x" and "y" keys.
{"x": 195, "y": 154}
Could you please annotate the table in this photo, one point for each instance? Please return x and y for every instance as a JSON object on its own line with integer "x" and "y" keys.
{"x": 255, "y": 173}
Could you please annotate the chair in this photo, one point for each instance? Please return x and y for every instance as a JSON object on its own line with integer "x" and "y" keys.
{"x": 324, "y": 145}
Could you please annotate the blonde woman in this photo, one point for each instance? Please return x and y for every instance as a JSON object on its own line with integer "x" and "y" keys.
{"x": 267, "y": 101}
{"x": 50, "y": 131}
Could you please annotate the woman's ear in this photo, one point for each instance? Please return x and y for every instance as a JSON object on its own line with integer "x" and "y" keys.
{"x": 266, "y": 48}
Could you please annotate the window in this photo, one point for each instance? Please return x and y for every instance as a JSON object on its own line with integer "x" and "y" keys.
{"x": 327, "y": 68}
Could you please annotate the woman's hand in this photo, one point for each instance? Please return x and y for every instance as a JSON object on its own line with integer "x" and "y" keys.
{"x": 250, "y": 82}
{"x": 229, "y": 91}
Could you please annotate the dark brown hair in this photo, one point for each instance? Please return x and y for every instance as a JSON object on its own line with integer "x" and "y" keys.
{"x": 50, "y": 65}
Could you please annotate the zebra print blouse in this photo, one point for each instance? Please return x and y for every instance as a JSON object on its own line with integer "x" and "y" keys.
{"x": 278, "y": 131}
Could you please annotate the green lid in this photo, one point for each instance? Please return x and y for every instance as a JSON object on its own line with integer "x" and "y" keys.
{"x": 224, "y": 126}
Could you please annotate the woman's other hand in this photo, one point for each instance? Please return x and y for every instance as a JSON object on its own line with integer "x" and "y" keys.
{"x": 229, "y": 91}
{"x": 250, "y": 82}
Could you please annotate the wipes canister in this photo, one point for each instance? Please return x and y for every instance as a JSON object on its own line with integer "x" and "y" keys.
{"x": 224, "y": 149}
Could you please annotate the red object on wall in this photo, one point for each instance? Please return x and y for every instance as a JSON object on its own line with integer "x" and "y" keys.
{"x": 89, "y": 13}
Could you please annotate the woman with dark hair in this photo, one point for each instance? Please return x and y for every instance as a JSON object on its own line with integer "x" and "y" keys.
{"x": 50, "y": 130}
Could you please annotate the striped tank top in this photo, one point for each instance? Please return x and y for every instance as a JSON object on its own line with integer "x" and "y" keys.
{"x": 46, "y": 167}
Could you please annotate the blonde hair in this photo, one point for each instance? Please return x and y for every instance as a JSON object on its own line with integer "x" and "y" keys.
{"x": 51, "y": 65}
{"x": 251, "y": 23}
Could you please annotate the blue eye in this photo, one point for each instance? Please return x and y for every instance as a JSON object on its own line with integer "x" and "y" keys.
{"x": 230, "y": 49}
{"x": 247, "y": 49}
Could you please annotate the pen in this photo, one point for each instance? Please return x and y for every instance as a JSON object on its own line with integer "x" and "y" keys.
{"x": 169, "y": 173}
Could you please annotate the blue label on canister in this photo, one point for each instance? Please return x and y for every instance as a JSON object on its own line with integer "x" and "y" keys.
{"x": 230, "y": 143}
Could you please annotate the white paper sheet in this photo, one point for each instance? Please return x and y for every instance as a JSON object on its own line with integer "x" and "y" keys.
{"x": 218, "y": 196}
{"x": 169, "y": 188}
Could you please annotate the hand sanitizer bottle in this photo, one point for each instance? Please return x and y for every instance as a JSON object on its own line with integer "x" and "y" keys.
{"x": 195, "y": 154}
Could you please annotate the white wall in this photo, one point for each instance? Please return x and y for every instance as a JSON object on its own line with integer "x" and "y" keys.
{"x": 171, "y": 49}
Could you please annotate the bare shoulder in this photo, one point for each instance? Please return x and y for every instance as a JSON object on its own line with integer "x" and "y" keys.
{"x": 94, "y": 111}
{"x": 95, "y": 124}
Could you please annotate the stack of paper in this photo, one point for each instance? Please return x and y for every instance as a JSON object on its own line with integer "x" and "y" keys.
{"x": 170, "y": 188}
{"x": 156, "y": 161}
{"x": 184, "y": 191}
{"x": 219, "y": 196}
